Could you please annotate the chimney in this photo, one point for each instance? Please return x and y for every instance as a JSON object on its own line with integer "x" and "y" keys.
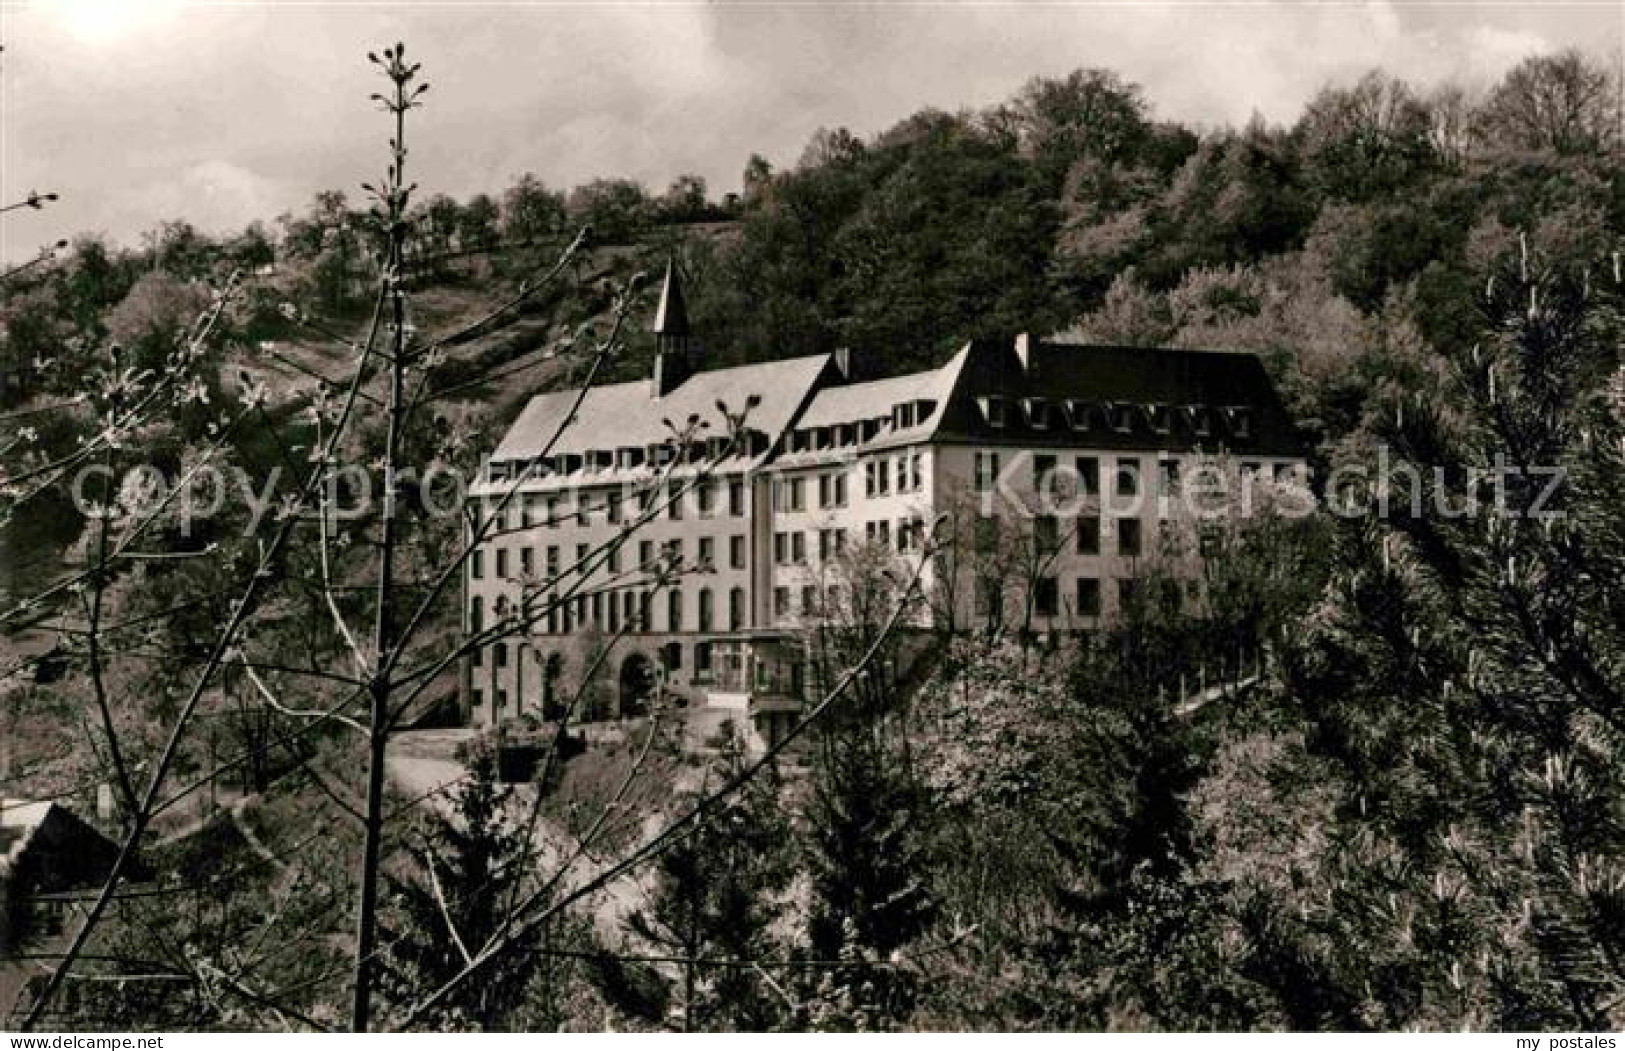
{"x": 674, "y": 343}
{"x": 843, "y": 362}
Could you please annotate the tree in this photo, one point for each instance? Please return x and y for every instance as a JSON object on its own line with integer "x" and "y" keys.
{"x": 1367, "y": 140}
{"x": 1088, "y": 114}
{"x": 718, "y": 900}
{"x": 530, "y": 211}
{"x": 461, "y": 871}
{"x": 1562, "y": 104}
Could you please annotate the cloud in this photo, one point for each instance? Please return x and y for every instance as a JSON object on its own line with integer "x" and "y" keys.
{"x": 227, "y": 113}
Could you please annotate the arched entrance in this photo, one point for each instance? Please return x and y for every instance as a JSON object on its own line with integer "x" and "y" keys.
{"x": 638, "y": 681}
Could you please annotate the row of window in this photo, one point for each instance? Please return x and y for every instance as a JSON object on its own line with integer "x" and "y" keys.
{"x": 672, "y": 550}
{"x": 989, "y": 598}
{"x": 877, "y": 474}
{"x": 610, "y": 610}
{"x": 610, "y": 505}
{"x": 1082, "y": 476}
{"x": 1123, "y": 417}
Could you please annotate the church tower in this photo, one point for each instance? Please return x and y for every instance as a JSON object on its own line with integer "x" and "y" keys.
{"x": 674, "y": 343}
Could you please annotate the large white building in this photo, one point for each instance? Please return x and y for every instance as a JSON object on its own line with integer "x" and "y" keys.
{"x": 1087, "y": 456}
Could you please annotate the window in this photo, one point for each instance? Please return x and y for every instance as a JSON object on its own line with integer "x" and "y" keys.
{"x": 612, "y": 508}
{"x": 1128, "y": 537}
{"x": 809, "y": 600}
{"x": 986, "y": 540}
{"x": 987, "y": 471}
{"x": 614, "y": 611}
{"x": 1128, "y": 594}
{"x": 916, "y": 481}
{"x": 1089, "y": 535}
{"x": 798, "y": 494}
{"x": 781, "y": 602}
{"x": 1088, "y": 475}
{"x": 1088, "y": 597}
{"x": 1210, "y": 542}
{"x": 477, "y": 696}
{"x": 826, "y": 544}
{"x": 736, "y": 609}
{"x": 1285, "y": 473}
{"x": 869, "y": 476}
{"x": 988, "y": 600}
{"x": 1128, "y": 478}
{"x": 553, "y": 620}
{"x": 615, "y": 558}
{"x": 499, "y": 700}
{"x": 674, "y": 611}
{"x": 499, "y": 655}
{"x": 798, "y": 547}
{"x": 840, "y": 540}
{"x": 1047, "y": 597}
{"x": 708, "y": 551}
{"x": 736, "y": 497}
{"x": 527, "y": 511}
{"x": 838, "y": 485}
{"x": 1168, "y": 478}
{"x": 781, "y": 549}
{"x": 674, "y": 501}
{"x": 597, "y": 615}
{"x": 883, "y": 476}
{"x": 646, "y": 619}
{"x": 581, "y": 553}
{"x": 878, "y": 532}
{"x": 702, "y": 661}
{"x": 629, "y": 608}
{"x": 1046, "y": 535}
{"x": 1043, "y": 472}
{"x": 903, "y": 534}
{"x": 673, "y": 550}
{"x": 527, "y": 560}
{"x": 707, "y": 612}
{"x": 552, "y": 511}
{"x": 993, "y": 411}
{"x": 825, "y": 496}
{"x": 736, "y": 552}
{"x": 476, "y": 565}
{"x": 706, "y": 493}
{"x": 646, "y": 554}
{"x": 1241, "y": 421}
{"x": 552, "y": 560}
{"x": 476, "y": 615}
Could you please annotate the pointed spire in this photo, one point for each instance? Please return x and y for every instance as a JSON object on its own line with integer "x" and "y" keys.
{"x": 671, "y": 319}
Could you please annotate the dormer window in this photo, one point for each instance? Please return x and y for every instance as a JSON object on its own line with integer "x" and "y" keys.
{"x": 1077, "y": 414}
{"x": 1121, "y": 416}
{"x": 628, "y": 457}
{"x": 1159, "y": 417}
{"x": 1037, "y": 413}
{"x": 1240, "y": 420}
{"x": 992, "y": 410}
{"x": 1200, "y": 419}
{"x": 903, "y": 415}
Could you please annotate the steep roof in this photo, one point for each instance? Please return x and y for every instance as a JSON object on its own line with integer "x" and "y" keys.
{"x": 1130, "y": 376}
{"x": 671, "y": 319}
{"x": 624, "y": 414}
{"x": 50, "y": 848}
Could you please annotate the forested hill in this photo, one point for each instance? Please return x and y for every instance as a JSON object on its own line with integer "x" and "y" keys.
{"x": 1340, "y": 247}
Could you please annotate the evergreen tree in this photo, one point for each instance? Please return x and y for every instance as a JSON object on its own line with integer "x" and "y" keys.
{"x": 464, "y": 869}
{"x": 717, "y": 900}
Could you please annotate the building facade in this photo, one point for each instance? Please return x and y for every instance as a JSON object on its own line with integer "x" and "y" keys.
{"x": 702, "y": 518}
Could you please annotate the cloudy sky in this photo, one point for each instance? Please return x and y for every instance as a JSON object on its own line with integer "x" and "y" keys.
{"x": 138, "y": 111}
